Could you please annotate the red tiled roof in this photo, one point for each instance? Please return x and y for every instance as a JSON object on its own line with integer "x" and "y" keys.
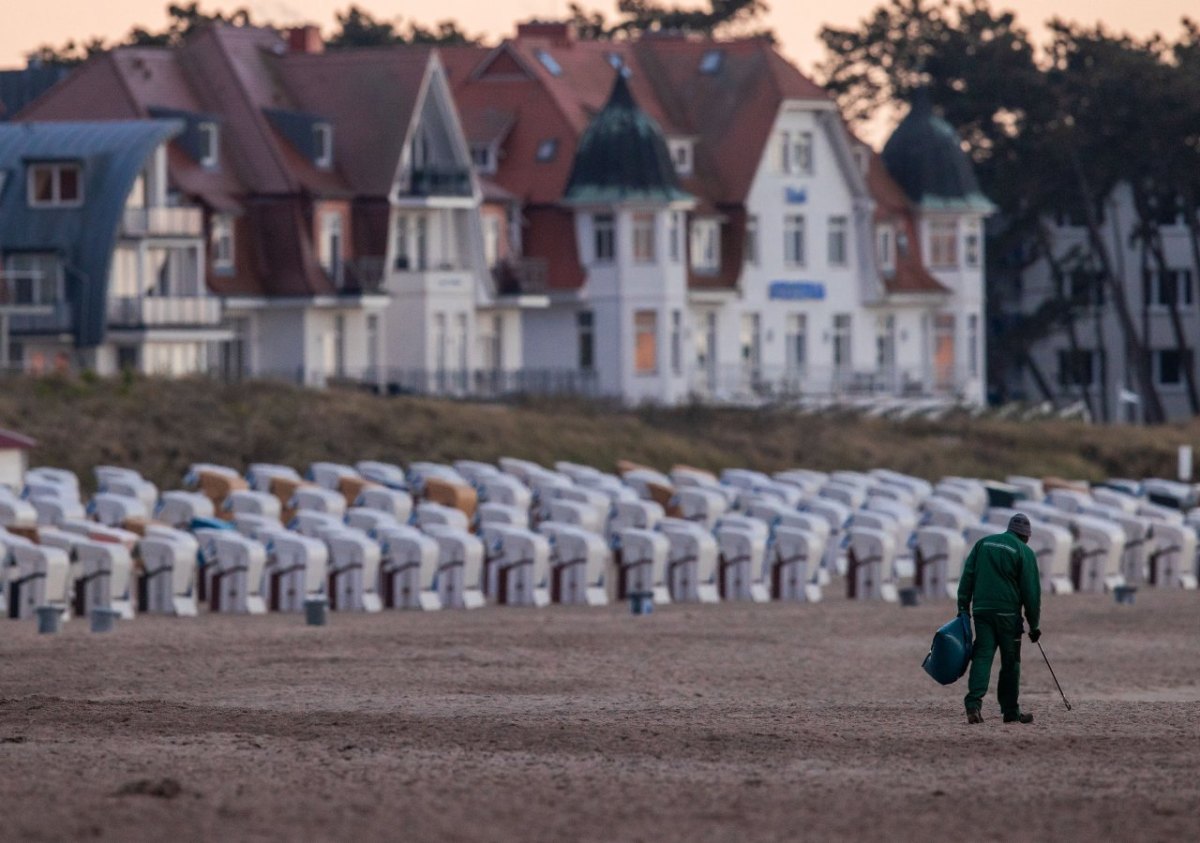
{"x": 236, "y": 74}
{"x": 893, "y": 207}
{"x": 12, "y": 439}
{"x": 729, "y": 114}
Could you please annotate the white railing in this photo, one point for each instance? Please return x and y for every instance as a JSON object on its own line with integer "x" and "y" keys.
{"x": 182, "y": 311}
{"x": 766, "y": 383}
{"x": 162, "y": 221}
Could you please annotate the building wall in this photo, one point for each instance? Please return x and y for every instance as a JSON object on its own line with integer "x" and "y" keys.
{"x": 1098, "y": 329}
{"x": 13, "y": 463}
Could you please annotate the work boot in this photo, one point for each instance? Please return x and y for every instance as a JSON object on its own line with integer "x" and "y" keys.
{"x": 1018, "y": 718}
{"x": 973, "y": 716}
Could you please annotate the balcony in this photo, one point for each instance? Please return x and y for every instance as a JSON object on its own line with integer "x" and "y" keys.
{"x": 57, "y": 318}
{"x": 441, "y": 181}
{"x": 767, "y": 384}
{"x": 162, "y": 222}
{"x": 361, "y": 276}
{"x": 521, "y": 276}
{"x": 164, "y": 312}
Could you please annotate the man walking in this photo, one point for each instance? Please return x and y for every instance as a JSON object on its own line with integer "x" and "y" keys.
{"x": 1000, "y": 577}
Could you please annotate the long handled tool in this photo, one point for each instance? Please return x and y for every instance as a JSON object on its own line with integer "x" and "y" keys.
{"x": 1055, "y": 678}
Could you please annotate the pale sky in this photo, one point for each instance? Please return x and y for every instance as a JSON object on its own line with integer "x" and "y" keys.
{"x": 796, "y": 23}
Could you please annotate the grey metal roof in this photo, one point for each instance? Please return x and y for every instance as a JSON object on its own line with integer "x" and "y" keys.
{"x": 112, "y": 153}
{"x": 925, "y": 157}
{"x": 623, "y": 157}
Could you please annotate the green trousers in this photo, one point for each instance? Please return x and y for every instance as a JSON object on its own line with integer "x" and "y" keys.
{"x": 994, "y": 630}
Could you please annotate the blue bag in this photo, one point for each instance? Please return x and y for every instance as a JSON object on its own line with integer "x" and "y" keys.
{"x": 950, "y": 654}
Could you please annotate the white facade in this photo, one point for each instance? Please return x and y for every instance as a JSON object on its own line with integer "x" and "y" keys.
{"x": 446, "y": 330}
{"x": 1086, "y": 358}
{"x": 161, "y": 318}
{"x": 810, "y": 316}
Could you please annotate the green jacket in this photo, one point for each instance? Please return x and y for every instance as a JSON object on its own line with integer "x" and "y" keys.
{"x": 1001, "y": 575}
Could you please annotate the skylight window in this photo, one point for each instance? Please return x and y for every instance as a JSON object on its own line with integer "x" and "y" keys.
{"x": 618, "y": 64}
{"x": 208, "y": 149}
{"x": 711, "y": 62}
{"x": 549, "y": 63}
{"x": 323, "y": 145}
{"x": 547, "y": 149}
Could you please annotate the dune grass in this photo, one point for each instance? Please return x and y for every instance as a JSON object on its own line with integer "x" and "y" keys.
{"x": 161, "y": 426}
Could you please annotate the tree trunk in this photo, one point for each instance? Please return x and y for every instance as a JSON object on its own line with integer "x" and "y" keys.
{"x": 1060, "y": 282}
{"x": 1135, "y": 348}
{"x": 1151, "y": 237}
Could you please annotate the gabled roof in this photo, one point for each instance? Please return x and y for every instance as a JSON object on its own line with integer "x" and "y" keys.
{"x": 111, "y": 154}
{"x": 244, "y": 78}
{"x": 553, "y": 87}
{"x": 18, "y": 88}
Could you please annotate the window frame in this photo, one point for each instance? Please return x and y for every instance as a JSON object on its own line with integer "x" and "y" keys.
{"x": 221, "y": 231}
{"x": 705, "y": 242}
{"x": 795, "y": 241}
{"x": 943, "y": 234}
{"x": 585, "y": 332}
{"x": 56, "y": 169}
{"x": 645, "y": 224}
{"x": 645, "y": 326}
{"x": 751, "y": 252}
{"x": 210, "y": 152}
{"x": 838, "y": 224}
{"x": 323, "y": 145}
{"x": 604, "y": 238}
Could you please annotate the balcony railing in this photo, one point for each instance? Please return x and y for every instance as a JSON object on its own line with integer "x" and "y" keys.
{"x": 166, "y": 311}
{"x": 469, "y": 384}
{"x": 57, "y": 318}
{"x": 758, "y": 384}
{"x": 162, "y": 222}
{"x": 521, "y": 276}
{"x": 362, "y": 276}
{"x": 441, "y": 181}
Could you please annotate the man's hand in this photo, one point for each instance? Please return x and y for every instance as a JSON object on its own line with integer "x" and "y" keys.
{"x": 1034, "y": 635}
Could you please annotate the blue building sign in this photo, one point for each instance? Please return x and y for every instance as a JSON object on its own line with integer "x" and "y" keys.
{"x": 796, "y": 290}
{"x": 795, "y": 195}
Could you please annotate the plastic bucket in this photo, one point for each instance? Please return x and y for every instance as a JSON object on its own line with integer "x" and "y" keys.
{"x": 103, "y": 620}
{"x": 314, "y": 611}
{"x": 641, "y": 602}
{"x": 1125, "y": 593}
{"x": 49, "y": 619}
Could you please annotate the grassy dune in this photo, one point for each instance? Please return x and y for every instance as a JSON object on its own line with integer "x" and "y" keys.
{"x": 161, "y": 426}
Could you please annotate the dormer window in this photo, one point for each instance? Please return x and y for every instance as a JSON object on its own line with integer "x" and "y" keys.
{"x": 886, "y": 248}
{"x": 483, "y": 156}
{"x": 207, "y": 137}
{"x": 323, "y": 145}
{"x": 55, "y": 185}
{"x": 547, "y": 149}
{"x": 681, "y": 156}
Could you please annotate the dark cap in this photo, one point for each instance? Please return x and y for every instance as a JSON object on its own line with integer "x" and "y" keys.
{"x": 1020, "y": 525}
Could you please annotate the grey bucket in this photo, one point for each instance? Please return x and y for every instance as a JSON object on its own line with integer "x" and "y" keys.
{"x": 314, "y": 611}
{"x": 1125, "y": 593}
{"x": 103, "y": 620}
{"x": 49, "y": 619}
{"x": 641, "y": 602}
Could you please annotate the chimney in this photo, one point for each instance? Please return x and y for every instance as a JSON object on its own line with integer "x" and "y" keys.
{"x": 559, "y": 33}
{"x": 305, "y": 39}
